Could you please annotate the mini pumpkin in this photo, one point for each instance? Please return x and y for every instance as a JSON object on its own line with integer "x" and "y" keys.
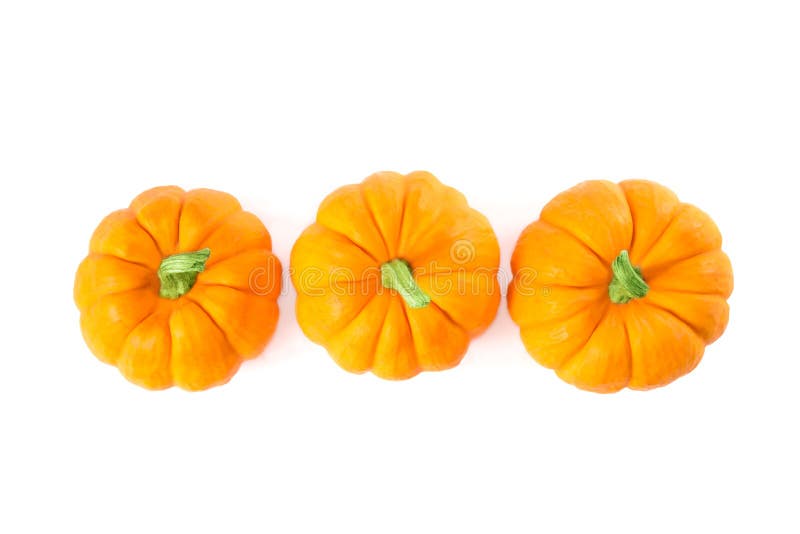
{"x": 179, "y": 288}
{"x": 620, "y": 285}
{"x": 396, "y": 275}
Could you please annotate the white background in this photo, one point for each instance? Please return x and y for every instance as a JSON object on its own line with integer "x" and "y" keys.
{"x": 510, "y": 103}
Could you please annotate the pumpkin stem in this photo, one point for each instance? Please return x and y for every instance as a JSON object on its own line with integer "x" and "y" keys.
{"x": 396, "y": 274}
{"x": 627, "y": 283}
{"x": 178, "y": 272}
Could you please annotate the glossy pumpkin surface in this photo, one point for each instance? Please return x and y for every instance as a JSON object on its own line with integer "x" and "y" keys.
{"x": 179, "y": 288}
{"x": 396, "y": 275}
{"x": 620, "y": 285}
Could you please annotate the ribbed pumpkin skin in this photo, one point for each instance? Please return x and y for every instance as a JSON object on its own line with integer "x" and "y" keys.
{"x": 199, "y": 339}
{"x": 341, "y": 302}
{"x": 559, "y": 293}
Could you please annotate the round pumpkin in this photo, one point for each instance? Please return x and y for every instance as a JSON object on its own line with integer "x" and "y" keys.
{"x": 619, "y": 285}
{"x": 179, "y": 288}
{"x": 396, "y": 275}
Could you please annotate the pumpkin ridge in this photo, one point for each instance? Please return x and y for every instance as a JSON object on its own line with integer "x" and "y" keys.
{"x": 143, "y": 229}
{"x": 675, "y": 215}
{"x": 577, "y": 239}
{"x": 675, "y": 315}
{"x": 217, "y": 227}
{"x": 349, "y": 240}
{"x": 373, "y": 220}
{"x": 114, "y": 294}
{"x": 136, "y": 217}
{"x": 703, "y": 346}
{"x": 269, "y": 254}
{"x": 526, "y": 324}
{"x": 416, "y": 350}
{"x": 377, "y": 335}
{"x": 633, "y": 220}
{"x": 630, "y": 215}
{"x": 128, "y": 335}
{"x": 80, "y": 276}
{"x": 588, "y": 339}
{"x": 526, "y": 244}
{"x": 402, "y": 216}
{"x": 146, "y": 231}
{"x": 137, "y": 263}
{"x": 630, "y": 345}
{"x": 416, "y": 177}
{"x": 348, "y": 323}
{"x": 688, "y": 292}
{"x": 210, "y": 264}
{"x": 216, "y": 284}
{"x": 136, "y": 206}
{"x": 451, "y": 320}
{"x": 633, "y": 225}
{"x": 111, "y": 294}
{"x": 146, "y": 315}
{"x": 410, "y": 333}
{"x": 217, "y": 258}
{"x": 551, "y": 322}
{"x": 169, "y": 351}
{"x": 564, "y": 286}
{"x": 543, "y": 217}
{"x": 216, "y": 324}
{"x": 683, "y": 207}
{"x": 168, "y": 319}
{"x": 493, "y": 271}
{"x": 373, "y": 273}
{"x": 434, "y": 247}
{"x": 178, "y": 235}
{"x": 661, "y": 268}
{"x": 358, "y": 281}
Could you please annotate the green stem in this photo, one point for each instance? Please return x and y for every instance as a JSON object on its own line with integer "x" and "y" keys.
{"x": 178, "y": 272}
{"x": 627, "y": 283}
{"x": 396, "y": 274}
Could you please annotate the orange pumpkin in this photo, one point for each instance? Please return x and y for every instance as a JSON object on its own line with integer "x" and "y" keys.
{"x": 178, "y": 288}
{"x": 619, "y": 285}
{"x": 396, "y": 275}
